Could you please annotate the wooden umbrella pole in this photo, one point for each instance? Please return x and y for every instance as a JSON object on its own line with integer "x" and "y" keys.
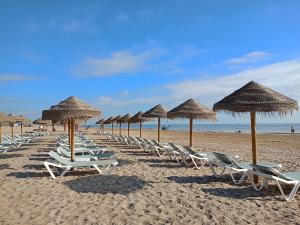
{"x": 72, "y": 139}
{"x": 64, "y": 126}
{"x": 128, "y": 128}
{"x": 12, "y": 132}
{"x": 120, "y": 128}
{"x": 69, "y": 132}
{"x": 140, "y": 129}
{"x": 158, "y": 129}
{"x": 112, "y": 128}
{"x": 191, "y": 132}
{"x": 253, "y": 135}
{"x": 53, "y": 127}
{"x": 21, "y": 129}
{"x": 0, "y": 134}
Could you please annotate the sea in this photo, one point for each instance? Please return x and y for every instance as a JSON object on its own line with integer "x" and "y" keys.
{"x": 231, "y": 128}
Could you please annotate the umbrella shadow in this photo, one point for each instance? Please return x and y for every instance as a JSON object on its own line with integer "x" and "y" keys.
{"x": 39, "y": 155}
{"x": 168, "y": 166}
{"x": 235, "y": 193}
{"x": 39, "y": 159}
{"x": 28, "y": 174}
{"x": 153, "y": 160}
{"x": 8, "y": 156}
{"x": 112, "y": 184}
{"x": 123, "y": 162}
{"x": 4, "y": 166}
{"x": 194, "y": 179}
{"x": 34, "y": 166}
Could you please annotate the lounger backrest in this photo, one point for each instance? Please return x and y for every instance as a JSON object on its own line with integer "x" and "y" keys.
{"x": 269, "y": 171}
{"x": 63, "y": 151}
{"x": 59, "y": 158}
{"x": 224, "y": 158}
{"x": 190, "y": 150}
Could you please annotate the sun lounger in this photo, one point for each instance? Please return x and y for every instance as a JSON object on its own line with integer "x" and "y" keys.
{"x": 228, "y": 163}
{"x": 290, "y": 178}
{"x": 66, "y": 164}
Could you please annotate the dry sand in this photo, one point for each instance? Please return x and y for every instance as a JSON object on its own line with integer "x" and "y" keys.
{"x": 145, "y": 189}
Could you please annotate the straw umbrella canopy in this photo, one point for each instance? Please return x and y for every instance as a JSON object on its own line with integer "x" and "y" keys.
{"x": 3, "y": 120}
{"x": 125, "y": 119}
{"x": 192, "y": 110}
{"x": 138, "y": 118}
{"x": 108, "y": 121}
{"x": 255, "y": 98}
{"x": 116, "y": 120}
{"x": 12, "y": 119}
{"x": 158, "y": 112}
{"x": 100, "y": 123}
{"x": 70, "y": 109}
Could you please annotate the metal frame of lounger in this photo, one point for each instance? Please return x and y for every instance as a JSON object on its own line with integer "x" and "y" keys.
{"x": 198, "y": 156}
{"x": 283, "y": 179}
{"x": 62, "y": 162}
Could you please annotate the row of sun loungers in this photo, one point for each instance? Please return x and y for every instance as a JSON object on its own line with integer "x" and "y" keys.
{"x": 9, "y": 144}
{"x": 190, "y": 157}
{"x": 87, "y": 155}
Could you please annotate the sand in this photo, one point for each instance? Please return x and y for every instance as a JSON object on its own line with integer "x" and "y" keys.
{"x": 145, "y": 189}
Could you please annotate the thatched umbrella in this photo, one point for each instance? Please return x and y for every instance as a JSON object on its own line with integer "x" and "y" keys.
{"x": 22, "y": 120}
{"x": 125, "y": 119}
{"x": 138, "y": 118}
{"x": 3, "y": 119}
{"x": 116, "y": 120}
{"x": 192, "y": 110}
{"x": 156, "y": 112}
{"x": 109, "y": 121}
{"x": 39, "y": 121}
{"x": 70, "y": 109}
{"x": 100, "y": 123}
{"x": 254, "y": 97}
{"x": 12, "y": 119}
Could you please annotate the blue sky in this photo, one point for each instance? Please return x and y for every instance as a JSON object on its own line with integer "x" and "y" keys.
{"x": 126, "y": 56}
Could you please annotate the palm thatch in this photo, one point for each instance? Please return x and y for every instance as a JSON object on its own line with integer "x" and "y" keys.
{"x": 138, "y": 118}
{"x": 116, "y": 119}
{"x": 101, "y": 121}
{"x": 254, "y": 97}
{"x": 157, "y": 111}
{"x": 190, "y": 109}
{"x": 108, "y": 120}
{"x": 3, "y": 118}
{"x": 71, "y": 107}
{"x": 124, "y": 118}
{"x": 39, "y": 121}
{"x": 12, "y": 118}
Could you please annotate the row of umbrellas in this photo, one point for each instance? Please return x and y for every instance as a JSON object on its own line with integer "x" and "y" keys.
{"x": 11, "y": 119}
{"x": 252, "y": 98}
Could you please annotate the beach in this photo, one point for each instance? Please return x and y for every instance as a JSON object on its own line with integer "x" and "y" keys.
{"x": 145, "y": 188}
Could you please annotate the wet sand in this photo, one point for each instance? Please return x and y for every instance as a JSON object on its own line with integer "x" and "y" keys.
{"x": 146, "y": 189}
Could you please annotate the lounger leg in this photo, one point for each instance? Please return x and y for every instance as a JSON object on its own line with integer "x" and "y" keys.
{"x": 64, "y": 171}
{"x": 240, "y": 180}
{"x": 292, "y": 194}
{"x": 214, "y": 171}
{"x": 255, "y": 187}
{"x": 49, "y": 170}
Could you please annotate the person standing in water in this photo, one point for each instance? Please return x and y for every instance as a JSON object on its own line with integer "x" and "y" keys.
{"x": 292, "y": 130}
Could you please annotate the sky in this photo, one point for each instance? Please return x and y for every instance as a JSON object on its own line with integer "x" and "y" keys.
{"x": 126, "y": 56}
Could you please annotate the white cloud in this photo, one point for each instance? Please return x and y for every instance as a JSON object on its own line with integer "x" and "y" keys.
{"x": 251, "y": 57}
{"x": 17, "y": 77}
{"x": 122, "y": 18}
{"x": 121, "y": 62}
{"x": 283, "y": 77}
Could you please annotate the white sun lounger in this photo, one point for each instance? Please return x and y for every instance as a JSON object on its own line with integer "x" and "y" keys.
{"x": 66, "y": 164}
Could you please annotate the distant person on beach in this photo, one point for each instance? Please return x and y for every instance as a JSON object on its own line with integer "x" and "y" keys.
{"x": 292, "y": 130}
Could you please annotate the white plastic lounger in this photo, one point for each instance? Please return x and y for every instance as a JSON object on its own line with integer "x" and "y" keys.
{"x": 67, "y": 164}
{"x": 290, "y": 178}
{"x": 227, "y": 163}
{"x": 67, "y": 154}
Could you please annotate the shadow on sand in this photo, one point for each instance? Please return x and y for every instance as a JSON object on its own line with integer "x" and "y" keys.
{"x": 4, "y": 166}
{"x": 106, "y": 184}
{"x": 194, "y": 179}
{"x": 7, "y": 156}
{"x": 236, "y": 192}
{"x": 34, "y": 166}
{"x": 28, "y": 174}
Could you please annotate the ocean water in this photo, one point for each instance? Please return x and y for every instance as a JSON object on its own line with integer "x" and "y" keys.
{"x": 244, "y": 128}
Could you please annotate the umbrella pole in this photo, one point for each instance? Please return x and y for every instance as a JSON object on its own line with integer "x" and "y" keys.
{"x": 64, "y": 127}
{"x": 158, "y": 129}
{"x": 128, "y": 129}
{"x": 140, "y": 129}
{"x": 53, "y": 127}
{"x": 69, "y": 132}
{"x": 253, "y": 135}
{"x": 191, "y": 132}
{"x": 112, "y": 128}
{"x": 0, "y": 134}
{"x": 72, "y": 139}
{"x": 120, "y": 128}
{"x": 12, "y": 132}
{"x": 21, "y": 129}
